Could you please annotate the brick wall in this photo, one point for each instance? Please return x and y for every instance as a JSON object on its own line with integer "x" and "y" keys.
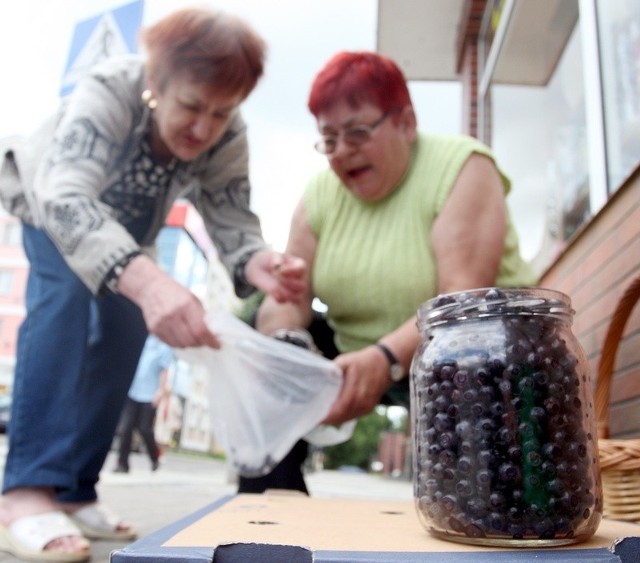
{"x": 594, "y": 270}
{"x": 467, "y": 65}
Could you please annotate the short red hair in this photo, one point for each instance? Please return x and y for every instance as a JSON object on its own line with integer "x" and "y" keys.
{"x": 359, "y": 77}
{"x": 212, "y": 47}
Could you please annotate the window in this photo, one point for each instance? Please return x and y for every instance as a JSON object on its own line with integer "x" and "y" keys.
{"x": 6, "y": 281}
{"x": 619, "y": 48}
{"x": 560, "y": 90}
{"x": 539, "y": 138}
{"x": 11, "y": 234}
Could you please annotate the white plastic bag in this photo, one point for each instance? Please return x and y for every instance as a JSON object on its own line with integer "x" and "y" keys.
{"x": 328, "y": 435}
{"x": 264, "y": 394}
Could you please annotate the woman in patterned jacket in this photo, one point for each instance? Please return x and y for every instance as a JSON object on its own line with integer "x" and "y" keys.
{"x": 93, "y": 188}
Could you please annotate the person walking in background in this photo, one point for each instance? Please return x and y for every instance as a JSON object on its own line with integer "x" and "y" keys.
{"x": 144, "y": 395}
{"x": 398, "y": 217}
{"x": 93, "y": 188}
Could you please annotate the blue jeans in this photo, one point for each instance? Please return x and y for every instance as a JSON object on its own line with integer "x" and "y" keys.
{"x": 76, "y": 357}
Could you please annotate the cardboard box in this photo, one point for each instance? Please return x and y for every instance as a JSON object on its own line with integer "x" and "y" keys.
{"x": 293, "y": 528}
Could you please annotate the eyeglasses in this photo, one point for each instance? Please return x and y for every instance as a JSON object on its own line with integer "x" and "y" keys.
{"x": 355, "y": 136}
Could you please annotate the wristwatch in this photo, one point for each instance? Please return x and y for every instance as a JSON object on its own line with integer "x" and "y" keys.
{"x": 110, "y": 282}
{"x": 296, "y": 336}
{"x": 396, "y": 371}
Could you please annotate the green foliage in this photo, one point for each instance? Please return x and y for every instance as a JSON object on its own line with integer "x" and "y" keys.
{"x": 363, "y": 445}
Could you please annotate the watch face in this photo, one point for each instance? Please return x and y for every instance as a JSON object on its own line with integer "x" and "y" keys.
{"x": 396, "y": 372}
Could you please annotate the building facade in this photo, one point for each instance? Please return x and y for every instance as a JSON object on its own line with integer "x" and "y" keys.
{"x": 14, "y": 270}
{"x": 553, "y": 86}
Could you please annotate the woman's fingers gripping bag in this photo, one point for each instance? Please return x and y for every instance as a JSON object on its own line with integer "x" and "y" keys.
{"x": 264, "y": 394}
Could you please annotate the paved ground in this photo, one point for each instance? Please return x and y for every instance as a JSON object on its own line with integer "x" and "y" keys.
{"x": 186, "y": 483}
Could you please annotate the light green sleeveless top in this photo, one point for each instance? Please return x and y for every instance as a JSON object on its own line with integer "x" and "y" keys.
{"x": 374, "y": 266}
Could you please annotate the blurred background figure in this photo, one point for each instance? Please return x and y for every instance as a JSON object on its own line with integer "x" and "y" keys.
{"x": 139, "y": 412}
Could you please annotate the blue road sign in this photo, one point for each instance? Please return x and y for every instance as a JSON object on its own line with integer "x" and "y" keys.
{"x": 111, "y": 33}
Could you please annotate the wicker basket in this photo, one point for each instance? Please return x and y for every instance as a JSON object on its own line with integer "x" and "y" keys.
{"x": 619, "y": 459}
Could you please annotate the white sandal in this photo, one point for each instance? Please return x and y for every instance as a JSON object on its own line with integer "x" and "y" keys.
{"x": 27, "y": 537}
{"x": 97, "y": 522}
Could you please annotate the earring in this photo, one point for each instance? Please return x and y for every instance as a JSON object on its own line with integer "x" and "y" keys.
{"x": 147, "y": 98}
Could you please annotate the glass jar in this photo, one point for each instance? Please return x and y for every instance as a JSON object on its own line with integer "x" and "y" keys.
{"x": 504, "y": 437}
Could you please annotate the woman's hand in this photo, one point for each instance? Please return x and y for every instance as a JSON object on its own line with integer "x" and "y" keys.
{"x": 172, "y": 312}
{"x": 366, "y": 378}
{"x": 280, "y": 275}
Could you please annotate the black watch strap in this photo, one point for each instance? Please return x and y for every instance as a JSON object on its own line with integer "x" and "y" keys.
{"x": 388, "y": 353}
{"x": 110, "y": 282}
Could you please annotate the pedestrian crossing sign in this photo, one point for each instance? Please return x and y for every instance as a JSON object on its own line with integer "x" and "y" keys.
{"x": 113, "y": 32}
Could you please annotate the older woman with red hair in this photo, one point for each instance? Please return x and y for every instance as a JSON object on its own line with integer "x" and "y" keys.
{"x": 93, "y": 188}
{"x": 397, "y": 218}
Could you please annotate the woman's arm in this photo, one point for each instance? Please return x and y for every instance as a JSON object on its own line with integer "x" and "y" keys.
{"x": 468, "y": 236}
{"x": 366, "y": 373}
{"x": 223, "y": 200}
{"x": 302, "y": 243}
{"x": 171, "y": 312}
{"x": 86, "y": 147}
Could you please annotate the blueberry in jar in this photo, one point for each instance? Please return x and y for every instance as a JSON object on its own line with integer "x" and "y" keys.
{"x": 508, "y": 405}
